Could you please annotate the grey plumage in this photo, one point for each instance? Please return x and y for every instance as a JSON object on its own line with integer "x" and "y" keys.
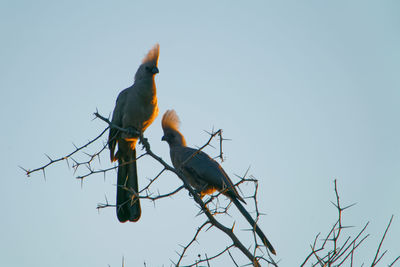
{"x": 203, "y": 173}
{"x": 135, "y": 109}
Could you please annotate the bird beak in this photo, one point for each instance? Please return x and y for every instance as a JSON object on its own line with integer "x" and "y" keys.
{"x": 155, "y": 70}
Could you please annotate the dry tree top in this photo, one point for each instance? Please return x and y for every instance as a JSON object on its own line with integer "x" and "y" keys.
{"x": 334, "y": 249}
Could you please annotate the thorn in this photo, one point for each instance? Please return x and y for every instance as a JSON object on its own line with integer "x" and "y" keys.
{"x": 75, "y": 146}
{"x": 44, "y": 174}
{"x": 349, "y": 206}
{"x": 345, "y": 227}
{"x": 66, "y": 159}
{"x": 87, "y": 154}
{"x": 75, "y": 169}
{"x": 207, "y": 132}
{"x": 88, "y": 167}
{"x": 22, "y": 168}
{"x": 212, "y": 147}
{"x": 334, "y": 204}
{"x": 27, "y": 172}
{"x": 247, "y": 171}
{"x": 48, "y": 157}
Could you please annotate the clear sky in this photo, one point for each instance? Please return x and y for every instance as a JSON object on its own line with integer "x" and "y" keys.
{"x": 307, "y": 91}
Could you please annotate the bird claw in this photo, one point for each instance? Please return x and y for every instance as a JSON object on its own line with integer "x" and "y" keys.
{"x": 144, "y": 142}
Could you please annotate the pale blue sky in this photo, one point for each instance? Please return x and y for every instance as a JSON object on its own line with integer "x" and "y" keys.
{"x": 308, "y": 91}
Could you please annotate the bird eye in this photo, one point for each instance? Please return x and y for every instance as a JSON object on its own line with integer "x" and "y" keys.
{"x": 148, "y": 68}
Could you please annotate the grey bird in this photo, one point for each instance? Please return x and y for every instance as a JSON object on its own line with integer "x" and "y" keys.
{"x": 203, "y": 173}
{"x": 135, "y": 109}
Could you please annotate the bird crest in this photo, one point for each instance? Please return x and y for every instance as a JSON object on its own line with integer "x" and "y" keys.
{"x": 152, "y": 55}
{"x": 170, "y": 120}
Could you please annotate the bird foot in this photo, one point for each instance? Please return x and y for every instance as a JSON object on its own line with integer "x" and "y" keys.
{"x": 144, "y": 142}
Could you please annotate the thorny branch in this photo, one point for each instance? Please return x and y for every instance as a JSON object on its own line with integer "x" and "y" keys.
{"x": 208, "y": 259}
{"x": 376, "y": 259}
{"x": 77, "y": 149}
{"x": 219, "y": 209}
{"x": 185, "y": 248}
{"x": 145, "y": 192}
{"x": 212, "y": 220}
{"x": 334, "y": 252}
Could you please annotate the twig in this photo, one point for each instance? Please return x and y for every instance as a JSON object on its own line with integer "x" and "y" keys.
{"x": 185, "y": 248}
{"x": 52, "y": 161}
{"x": 376, "y": 259}
{"x": 236, "y": 242}
{"x": 339, "y": 252}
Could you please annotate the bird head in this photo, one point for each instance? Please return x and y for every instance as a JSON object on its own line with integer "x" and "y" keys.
{"x": 149, "y": 64}
{"x": 170, "y": 124}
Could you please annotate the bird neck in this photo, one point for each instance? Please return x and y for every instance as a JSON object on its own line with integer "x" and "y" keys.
{"x": 145, "y": 85}
{"x": 178, "y": 141}
{"x": 177, "y": 145}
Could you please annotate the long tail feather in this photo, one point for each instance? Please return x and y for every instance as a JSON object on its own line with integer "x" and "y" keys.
{"x": 128, "y": 207}
{"x": 253, "y": 224}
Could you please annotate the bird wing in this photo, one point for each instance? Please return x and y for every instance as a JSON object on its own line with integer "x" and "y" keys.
{"x": 203, "y": 167}
{"x": 116, "y": 120}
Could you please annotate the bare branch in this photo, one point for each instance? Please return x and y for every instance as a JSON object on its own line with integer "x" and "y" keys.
{"x": 390, "y": 265}
{"x": 331, "y": 250}
{"x": 339, "y": 251}
{"x": 376, "y": 259}
{"x": 236, "y": 242}
{"x": 185, "y": 248}
{"x": 52, "y": 161}
{"x": 207, "y": 259}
